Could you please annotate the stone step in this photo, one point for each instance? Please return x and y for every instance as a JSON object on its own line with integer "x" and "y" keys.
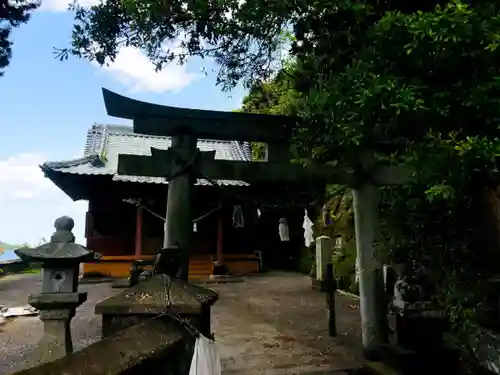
{"x": 200, "y": 269}
{"x": 201, "y": 265}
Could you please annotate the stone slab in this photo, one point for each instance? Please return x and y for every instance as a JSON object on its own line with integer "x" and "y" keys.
{"x": 150, "y": 297}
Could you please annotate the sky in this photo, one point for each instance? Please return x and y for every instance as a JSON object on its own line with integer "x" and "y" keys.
{"x": 47, "y": 106}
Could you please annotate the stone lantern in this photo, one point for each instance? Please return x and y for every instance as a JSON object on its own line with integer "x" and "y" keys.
{"x": 60, "y": 259}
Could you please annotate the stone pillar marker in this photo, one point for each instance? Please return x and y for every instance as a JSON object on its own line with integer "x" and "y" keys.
{"x": 59, "y": 297}
{"x": 324, "y": 254}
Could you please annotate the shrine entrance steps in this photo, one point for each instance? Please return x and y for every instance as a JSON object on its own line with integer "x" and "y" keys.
{"x": 201, "y": 265}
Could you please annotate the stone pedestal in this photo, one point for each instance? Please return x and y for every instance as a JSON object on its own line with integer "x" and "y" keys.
{"x": 56, "y": 312}
{"x": 416, "y": 345}
{"x": 56, "y": 341}
{"x": 149, "y": 299}
{"x": 418, "y": 330}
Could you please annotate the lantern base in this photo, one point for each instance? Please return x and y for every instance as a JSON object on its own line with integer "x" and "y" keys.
{"x": 56, "y": 312}
{"x": 57, "y": 301}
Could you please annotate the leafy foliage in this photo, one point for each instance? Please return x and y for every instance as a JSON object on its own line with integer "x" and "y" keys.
{"x": 422, "y": 90}
{"x": 13, "y": 13}
{"x": 243, "y": 37}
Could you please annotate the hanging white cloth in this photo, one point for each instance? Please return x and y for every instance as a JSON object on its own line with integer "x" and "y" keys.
{"x": 259, "y": 212}
{"x": 206, "y": 357}
{"x": 308, "y": 231}
{"x": 283, "y": 230}
{"x": 238, "y": 220}
{"x": 195, "y": 227}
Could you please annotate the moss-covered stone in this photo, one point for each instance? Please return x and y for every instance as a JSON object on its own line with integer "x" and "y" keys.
{"x": 151, "y": 347}
{"x": 149, "y": 298}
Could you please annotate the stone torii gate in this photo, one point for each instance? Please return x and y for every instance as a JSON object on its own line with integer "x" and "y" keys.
{"x": 182, "y": 163}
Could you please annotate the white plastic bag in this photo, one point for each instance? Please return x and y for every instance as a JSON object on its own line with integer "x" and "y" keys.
{"x": 206, "y": 358}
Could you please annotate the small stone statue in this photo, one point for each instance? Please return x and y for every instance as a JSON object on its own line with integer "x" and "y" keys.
{"x": 168, "y": 262}
{"x": 135, "y": 271}
{"x": 220, "y": 269}
{"x": 407, "y": 292}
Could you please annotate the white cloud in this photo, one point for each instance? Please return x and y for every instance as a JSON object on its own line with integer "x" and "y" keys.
{"x": 21, "y": 177}
{"x": 62, "y": 5}
{"x": 30, "y": 202}
{"x": 131, "y": 67}
{"x": 134, "y": 70}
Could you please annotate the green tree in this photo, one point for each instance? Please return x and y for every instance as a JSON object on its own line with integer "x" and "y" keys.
{"x": 13, "y": 13}
{"x": 421, "y": 89}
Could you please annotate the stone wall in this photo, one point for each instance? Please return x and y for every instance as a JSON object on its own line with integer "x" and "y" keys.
{"x": 152, "y": 347}
{"x": 15, "y": 266}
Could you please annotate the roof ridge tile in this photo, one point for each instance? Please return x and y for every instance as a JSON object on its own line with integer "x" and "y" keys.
{"x": 93, "y": 159}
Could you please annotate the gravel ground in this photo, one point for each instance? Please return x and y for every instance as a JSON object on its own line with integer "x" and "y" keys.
{"x": 272, "y": 324}
{"x": 19, "y": 335}
{"x": 275, "y": 325}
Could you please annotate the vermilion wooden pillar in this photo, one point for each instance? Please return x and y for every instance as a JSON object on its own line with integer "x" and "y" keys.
{"x": 220, "y": 238}
{"x": 138, "y": 232}
{"x": 89, "y": 225}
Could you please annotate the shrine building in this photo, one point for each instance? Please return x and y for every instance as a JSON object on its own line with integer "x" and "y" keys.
{"x": 185, "y": 178}
{"x": 125, "y": 217}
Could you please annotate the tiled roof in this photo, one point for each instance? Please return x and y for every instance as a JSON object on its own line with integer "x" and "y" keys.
{"x": 112, "y": 140}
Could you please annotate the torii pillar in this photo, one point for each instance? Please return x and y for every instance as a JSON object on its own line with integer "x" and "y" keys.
{"x": 178, "y": 221}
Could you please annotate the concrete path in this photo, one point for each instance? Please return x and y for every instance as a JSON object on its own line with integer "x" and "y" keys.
{"x": 18, "y": 336}
{"x": 14, "y": 289}
{"x": 272, "y": 324}
{"x": 275, "y": 324}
